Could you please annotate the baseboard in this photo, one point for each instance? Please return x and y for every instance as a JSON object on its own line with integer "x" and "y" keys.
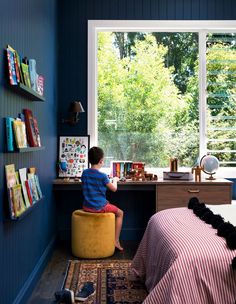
{"x": 30, "y": 283}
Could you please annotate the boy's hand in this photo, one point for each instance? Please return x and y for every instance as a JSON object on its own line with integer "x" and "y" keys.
{"x": 113, "y": 185}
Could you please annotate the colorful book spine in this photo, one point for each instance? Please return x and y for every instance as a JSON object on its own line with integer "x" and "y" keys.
{"x": 32, "y": 184}
{"x": 29, "y": 192}
{"x": 38, "y": 186}
{"x": 25, "y": 70}
{"x": 18, "y": 61}
{"x": 18, "y": 202}
{"x": 32, "y": 136}
{"x": 36, "y": 129}
{"x": 20, "y": 133}
{"x": 33, "y": 74}
{"x": 40, "y": 85}
{"x": 11, "y": 67}
{"x": 120, "y": 168}
{"x": 17, "y": 68}
{"x": 9, "y": 133}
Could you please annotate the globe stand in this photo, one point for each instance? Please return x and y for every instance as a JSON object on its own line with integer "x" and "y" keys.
{"x": 211, "y": 175}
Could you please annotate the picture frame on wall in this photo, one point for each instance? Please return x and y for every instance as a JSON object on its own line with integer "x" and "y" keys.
{"x": 73, "y": 155}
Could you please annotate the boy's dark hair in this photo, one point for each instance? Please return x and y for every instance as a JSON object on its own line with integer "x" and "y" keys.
{"x": 95, "y": 154}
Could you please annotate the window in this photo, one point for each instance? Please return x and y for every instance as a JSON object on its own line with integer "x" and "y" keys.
{"x": 221, "y": 96}
{"x": 162, "y": 89}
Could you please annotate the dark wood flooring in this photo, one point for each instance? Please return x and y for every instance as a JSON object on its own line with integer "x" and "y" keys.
{"x": 53, "y": 275}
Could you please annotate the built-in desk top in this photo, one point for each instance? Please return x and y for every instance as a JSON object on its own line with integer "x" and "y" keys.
{"x": 71, "y": 184}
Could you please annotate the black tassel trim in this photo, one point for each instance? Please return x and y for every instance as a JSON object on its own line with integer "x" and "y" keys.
{"x": 224, "y": 229}
{"x": 193, "y": 202}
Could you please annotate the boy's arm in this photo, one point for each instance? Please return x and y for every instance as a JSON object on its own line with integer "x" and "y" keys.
{"x": 113, "y": 186}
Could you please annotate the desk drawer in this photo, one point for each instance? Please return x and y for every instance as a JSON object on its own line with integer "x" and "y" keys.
{"x": 173, "y": 196}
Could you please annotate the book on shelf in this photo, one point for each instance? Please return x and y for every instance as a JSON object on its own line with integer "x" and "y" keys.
{"x": 33, "y": 74}
{"x": 18, "y": 63}
{"x": 36, "y": 129}
{"x": 31, "y": 130}
{"x": 17, "y": 67}
{"x": 11, "y": 182}
{"x": 25, "y": 72}
{"x": 29, "y": 193}
{"x": 20, "y": 133}
{"x": 18, "y": 203}
{"x": 120, "y": 168}
{"x": 40, "y": 84}
{"x": 11, "y": 67}
{"x": 38, "y": 186}
{"x": 23, "y": 178}
{"x": 9, "y": 133}
{"x": 32, "y": 185}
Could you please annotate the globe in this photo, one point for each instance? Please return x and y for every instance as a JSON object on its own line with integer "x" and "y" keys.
{"x": 210, "y": 164}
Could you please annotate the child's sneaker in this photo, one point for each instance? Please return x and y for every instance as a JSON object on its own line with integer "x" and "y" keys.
{"x": 86, "y": 291}
{"x": 65, "y": 296}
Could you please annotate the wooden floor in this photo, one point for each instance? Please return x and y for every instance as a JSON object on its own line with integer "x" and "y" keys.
{"x": 52, "y": 277}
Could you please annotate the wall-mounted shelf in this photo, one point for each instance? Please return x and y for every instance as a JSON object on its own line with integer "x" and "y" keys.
{"x": 27, "y": 92}
{"x": 28, "y": 149}
{"x": 27, "y": 211}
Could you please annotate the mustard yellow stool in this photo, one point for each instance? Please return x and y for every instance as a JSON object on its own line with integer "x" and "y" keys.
{"x": 92, "y": 234}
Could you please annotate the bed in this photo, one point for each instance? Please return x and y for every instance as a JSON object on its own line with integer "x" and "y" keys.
{"x": 182, "y": 259}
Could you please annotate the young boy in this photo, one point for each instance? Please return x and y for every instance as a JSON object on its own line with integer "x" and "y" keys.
{"x": 94, "y": 185}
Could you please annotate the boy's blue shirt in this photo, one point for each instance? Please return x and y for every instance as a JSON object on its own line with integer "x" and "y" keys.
{"x": 94, "y": 188}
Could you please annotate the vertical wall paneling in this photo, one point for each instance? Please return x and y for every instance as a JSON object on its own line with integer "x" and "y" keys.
{"x": 29, "y": 27}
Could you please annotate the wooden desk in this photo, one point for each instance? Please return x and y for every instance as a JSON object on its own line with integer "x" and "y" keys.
{"x": 168, "y": 193}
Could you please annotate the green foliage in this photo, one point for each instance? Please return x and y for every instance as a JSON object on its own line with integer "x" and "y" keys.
{"x": 142, "y": 114}
{"x": 221, "y": 77}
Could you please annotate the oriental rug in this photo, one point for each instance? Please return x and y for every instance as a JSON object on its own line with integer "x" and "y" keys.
{"x": 110, "y": 278}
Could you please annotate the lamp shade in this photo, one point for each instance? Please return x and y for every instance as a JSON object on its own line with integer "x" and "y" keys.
{"x": 76, "y": 107}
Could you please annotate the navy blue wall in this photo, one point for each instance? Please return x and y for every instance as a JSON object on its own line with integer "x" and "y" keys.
{"x": 72, "y": 28}
{"x": 29, "y": 27}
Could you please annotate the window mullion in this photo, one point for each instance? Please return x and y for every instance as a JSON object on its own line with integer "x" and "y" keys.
{"x": 202, "y": 93}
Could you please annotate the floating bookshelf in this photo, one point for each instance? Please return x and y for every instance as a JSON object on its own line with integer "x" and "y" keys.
{"x": 27, "y": 92}
{"x": 27, "y": 211}
{"x": 28, "y": 149}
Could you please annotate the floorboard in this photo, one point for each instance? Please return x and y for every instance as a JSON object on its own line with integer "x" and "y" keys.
{"x": 53, "y": 275}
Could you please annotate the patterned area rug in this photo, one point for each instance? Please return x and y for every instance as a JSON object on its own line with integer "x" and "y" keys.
{"x": 110, "y": 280}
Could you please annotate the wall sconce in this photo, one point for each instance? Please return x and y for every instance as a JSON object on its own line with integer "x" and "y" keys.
{"x": 75, "y": 108}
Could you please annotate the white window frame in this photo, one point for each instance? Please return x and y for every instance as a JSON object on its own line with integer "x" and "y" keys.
{"x": 201, "y": 27}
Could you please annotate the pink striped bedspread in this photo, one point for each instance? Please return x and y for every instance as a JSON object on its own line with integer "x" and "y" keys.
{"x": 182, "y": 260}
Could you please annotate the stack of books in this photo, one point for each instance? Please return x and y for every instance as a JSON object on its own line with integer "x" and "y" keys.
{"x": 23, "y": 189}
{"x": 22, "y": 132}
{"x": 120, "y": 168}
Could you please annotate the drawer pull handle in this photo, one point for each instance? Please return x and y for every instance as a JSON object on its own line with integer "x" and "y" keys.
{"x": 193, "y": 191}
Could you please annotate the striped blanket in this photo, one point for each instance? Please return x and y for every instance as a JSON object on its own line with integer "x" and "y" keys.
{"x": 182, "y": 260}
